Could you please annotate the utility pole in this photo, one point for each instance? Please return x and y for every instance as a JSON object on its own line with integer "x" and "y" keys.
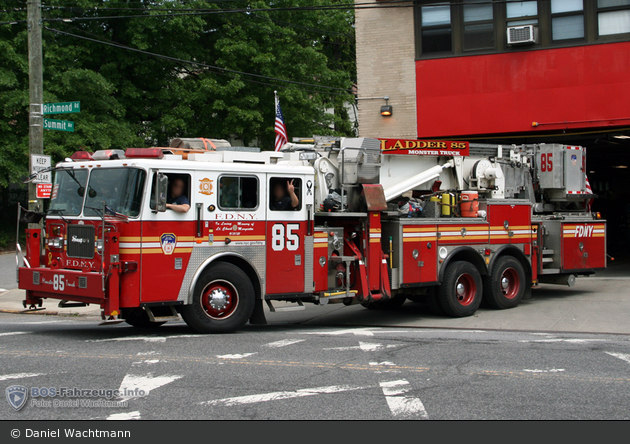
{"x": 36, "y": 95}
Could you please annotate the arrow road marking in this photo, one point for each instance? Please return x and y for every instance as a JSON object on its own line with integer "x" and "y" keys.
{"x": 622, "y": 356}
{"x": 403, "y": 407}
{"x": 146, "y": 383}
{"x": 275, "y": 396}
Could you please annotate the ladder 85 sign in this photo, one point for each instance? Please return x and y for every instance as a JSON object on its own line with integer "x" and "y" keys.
{"x": 285, "y": 237}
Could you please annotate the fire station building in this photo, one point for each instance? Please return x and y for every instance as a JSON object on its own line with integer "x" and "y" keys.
{"x": 508, "y": 72}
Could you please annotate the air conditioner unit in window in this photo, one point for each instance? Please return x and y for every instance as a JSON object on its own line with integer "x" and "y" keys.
{"x": 522, "y": 35}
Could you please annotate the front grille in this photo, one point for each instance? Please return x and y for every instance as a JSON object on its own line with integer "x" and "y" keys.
{"x": 80, "y": 241}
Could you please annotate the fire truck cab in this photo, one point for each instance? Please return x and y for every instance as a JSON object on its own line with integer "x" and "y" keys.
{"x": 377, "y": 222}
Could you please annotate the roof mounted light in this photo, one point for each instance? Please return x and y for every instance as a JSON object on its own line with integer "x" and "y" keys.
{"x": 81, "y": 155}
{"x": 144, "y": 153}
{"x": 108, "y": 155}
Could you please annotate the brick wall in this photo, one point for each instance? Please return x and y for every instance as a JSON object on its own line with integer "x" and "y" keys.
{"x": 386, "y": 67}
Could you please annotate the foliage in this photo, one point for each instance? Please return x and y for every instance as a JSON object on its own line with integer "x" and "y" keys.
{"x": 134, "y": 99}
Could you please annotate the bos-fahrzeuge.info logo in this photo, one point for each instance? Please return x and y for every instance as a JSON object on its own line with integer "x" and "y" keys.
{"x": 17, "y": 396}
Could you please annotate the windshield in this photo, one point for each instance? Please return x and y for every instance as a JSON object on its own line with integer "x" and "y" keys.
{"x": 67, "y": 192}
{"x": 119, "y": 188}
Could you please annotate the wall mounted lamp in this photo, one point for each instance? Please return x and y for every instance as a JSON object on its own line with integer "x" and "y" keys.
{"x": 386, "y": 110}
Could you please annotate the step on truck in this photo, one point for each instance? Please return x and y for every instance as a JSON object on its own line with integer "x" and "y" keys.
{"x": 373, "y": 222}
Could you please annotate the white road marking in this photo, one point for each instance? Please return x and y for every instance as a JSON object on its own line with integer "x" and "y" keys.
{"x": 3, "y": 289}
{"x": 146, "y": 361}
{"x": 283, "y": 343}
{"x": 148, "y": 353}
{"x": 382, "y": 363}
{"x": 275, "y": 396}
{"x": 144, "y": 382}
{"x": 387, "y": 370}
{"x": 366, "y": 331}
{"x": 19, "y": 376}
{"x": 552, "y": 370}
{"x": 11, "y": 333}
{"x": 146, "y": 338}
{"x": 404, "y": 407}
{"x": 365, "y": 346}
{"x": 126, "y": 416}
{"x": 571, "y": 341}
{"x": 235, "y": 356}
{"x": 622, "y": 356}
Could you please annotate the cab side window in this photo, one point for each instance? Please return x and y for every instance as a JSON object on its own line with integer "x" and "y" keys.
{"x": 238, "y": 193}
{"x": 285, "y": 194}
{"x": 170, "y": 197}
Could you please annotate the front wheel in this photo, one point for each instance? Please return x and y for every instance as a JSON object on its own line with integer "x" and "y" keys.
{"x": 505, "y": 286}
{"x": 461, "y": 290}
{"x": 223, "y": 300}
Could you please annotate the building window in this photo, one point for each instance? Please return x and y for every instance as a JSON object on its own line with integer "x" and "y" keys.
{"x": 613, "y": 16}
{"x": 478, "y": 25}
{"x": 567, "y": 19}
{"x": 436, "y": 28}
{"x": 522, "y": 13}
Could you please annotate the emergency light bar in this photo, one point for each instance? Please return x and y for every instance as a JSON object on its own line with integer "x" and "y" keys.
{"x": 108, "y": 155}
{"x": 81, "y": 155}
{"x": 144, "y": 153}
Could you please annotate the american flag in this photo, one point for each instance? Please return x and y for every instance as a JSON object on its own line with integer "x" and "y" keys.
{"x": 589, "y": 190}
{"x": 281, "y": 129}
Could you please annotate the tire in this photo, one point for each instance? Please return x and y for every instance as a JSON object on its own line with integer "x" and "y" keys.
{"x": 505, "y": 286}
{"x": 139, "y": 318}
{"x": 223, "y": 300}
{"x": 433, "y": 299}
{"x": 461, "y": 291}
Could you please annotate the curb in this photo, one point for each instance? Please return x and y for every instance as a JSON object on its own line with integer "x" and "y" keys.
{"x": 46, "y": 313}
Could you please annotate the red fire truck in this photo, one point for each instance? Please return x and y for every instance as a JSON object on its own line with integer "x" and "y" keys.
{"x": 377, "y": 222}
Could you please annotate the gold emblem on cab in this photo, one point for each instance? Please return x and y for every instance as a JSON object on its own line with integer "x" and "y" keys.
{"x": 205, "y": 186}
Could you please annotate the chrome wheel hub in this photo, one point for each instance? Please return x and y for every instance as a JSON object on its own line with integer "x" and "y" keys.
{"x": 505, "y": 283}
{"x": 460, "y": 289}
{"x": 218, "y": 299}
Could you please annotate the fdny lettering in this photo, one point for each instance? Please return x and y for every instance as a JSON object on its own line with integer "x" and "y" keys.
{"x": 234, "y": 216}
{"x": 584, "y": 230}
{"x": 74, "y": 263}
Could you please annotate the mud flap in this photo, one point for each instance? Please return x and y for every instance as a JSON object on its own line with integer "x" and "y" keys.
{"x": 258, "y": 315}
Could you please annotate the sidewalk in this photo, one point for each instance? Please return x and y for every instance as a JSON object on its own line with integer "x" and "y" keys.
{"x": 11, "y": 302}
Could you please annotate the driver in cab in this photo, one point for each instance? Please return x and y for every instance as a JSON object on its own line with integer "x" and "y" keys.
{"x": 178, "y": 201}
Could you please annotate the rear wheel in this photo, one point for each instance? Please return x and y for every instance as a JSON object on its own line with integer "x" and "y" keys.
{"x": 461, "y": 291}
{"x": 505, "y": 286}
{"x": 223, "y": 300}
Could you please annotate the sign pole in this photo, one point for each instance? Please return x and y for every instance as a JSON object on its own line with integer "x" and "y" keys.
{"x": 36, "y": 96}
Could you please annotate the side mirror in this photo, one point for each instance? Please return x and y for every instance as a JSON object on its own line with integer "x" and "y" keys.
{"x": 161, "y": 188}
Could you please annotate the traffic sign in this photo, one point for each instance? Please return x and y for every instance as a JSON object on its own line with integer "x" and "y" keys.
{"x": 61, "y": 108}
{"x": 59, "y": 125}
{"x": 38, "y": 163}
{"x": 44, "y": 190}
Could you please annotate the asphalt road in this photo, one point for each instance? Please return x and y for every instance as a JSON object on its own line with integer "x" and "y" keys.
{"x": 289, "y": 371}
